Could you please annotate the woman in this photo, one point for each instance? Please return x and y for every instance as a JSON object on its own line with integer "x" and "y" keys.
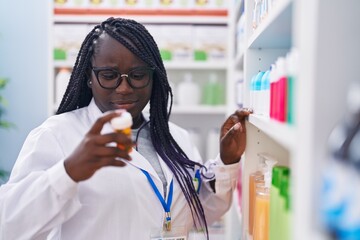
{"x": 70, "y": 180}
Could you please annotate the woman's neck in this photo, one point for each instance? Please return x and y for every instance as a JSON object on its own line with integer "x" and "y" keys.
{"x": 138, "y": 121}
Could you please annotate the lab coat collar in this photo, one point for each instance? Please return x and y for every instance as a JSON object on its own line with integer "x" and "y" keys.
{"x": 138, "y": 160}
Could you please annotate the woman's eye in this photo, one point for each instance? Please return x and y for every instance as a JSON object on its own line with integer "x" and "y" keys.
{"x": 108, "y": 75}
{"x": 137, "y": 75}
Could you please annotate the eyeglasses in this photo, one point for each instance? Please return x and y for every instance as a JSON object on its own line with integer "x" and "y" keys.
{"x": 110, "y": 78}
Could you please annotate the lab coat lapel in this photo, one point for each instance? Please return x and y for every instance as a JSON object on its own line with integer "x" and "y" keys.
{"x": 140, "y": 161}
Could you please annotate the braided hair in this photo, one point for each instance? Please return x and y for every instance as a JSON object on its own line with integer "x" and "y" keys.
{"x": 139, "y": 41}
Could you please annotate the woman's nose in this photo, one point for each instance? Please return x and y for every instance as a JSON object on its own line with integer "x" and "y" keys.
{"x": 124, "y": 85}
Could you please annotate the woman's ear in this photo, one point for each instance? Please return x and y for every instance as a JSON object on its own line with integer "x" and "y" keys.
{"x": 89, "y": 83}
{"x": 88, "y": 76}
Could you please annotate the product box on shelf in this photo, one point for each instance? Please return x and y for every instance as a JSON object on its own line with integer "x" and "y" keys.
{"x": 71, "y": 3}
{"x": 94, "y": 4}
{"x": 174, "y": 41}
{"x": 210, "y": 43}
{"x": 138, "y": 4}
{"x": 67, "y": 40}
{"x": 211, "y": 4}
{"x": 174, "y": 4}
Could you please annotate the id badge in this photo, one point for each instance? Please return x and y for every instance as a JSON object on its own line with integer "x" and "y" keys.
{"x": 176, "y": 233}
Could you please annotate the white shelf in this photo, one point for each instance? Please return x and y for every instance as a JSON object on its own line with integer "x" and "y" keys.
{"x": 282, "y": 133}
{"x": 186, "y": 65}
{"x": 201, "y": 109}
{"x": 275, "y": 30}
{"x": 168, "y": 65}
{"x": 95, "y": 19}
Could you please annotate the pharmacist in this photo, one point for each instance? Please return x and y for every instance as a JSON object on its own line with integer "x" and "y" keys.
{"x": 74, "y": 177}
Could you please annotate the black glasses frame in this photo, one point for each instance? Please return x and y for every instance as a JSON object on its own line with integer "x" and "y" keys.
{"x": 97, "y": 70}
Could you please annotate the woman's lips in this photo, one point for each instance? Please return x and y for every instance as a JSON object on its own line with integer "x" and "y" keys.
{"x": 124, "y": 105}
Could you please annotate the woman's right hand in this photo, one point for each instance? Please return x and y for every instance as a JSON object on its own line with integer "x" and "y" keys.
{"x": 93, "y": 152}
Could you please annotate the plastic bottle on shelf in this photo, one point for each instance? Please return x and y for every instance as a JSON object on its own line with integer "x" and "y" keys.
{"x": 265, "y": 94}
{"x": 61, "y": 82}
{"x": 281, "y": 89}
{"x": 258, "y": 93}
{"x": 292, "y": 68}
{"x": 262, "y": 205}
{"x": 252, "y": 92}
{"x": 219, "y": 90}
{"x": 256, "y": 14}
{"x": 261, "y": 218}
{"x": 273, "y": 91}
{"x": 284, "y": 221}
{"x": 213, "y": 91}
{"x": 276, "y": 207}
{"x": 188, "y": 92}
{"x": 254, "y": 179}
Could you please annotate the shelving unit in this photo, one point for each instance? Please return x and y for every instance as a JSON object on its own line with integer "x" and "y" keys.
{"x": 201, "y": 118}
{"x": 326, "y": 62}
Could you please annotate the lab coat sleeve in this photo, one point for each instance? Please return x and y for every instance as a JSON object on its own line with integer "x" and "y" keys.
{"x": 39, "y": 195}
{"x": 217, "y": 203}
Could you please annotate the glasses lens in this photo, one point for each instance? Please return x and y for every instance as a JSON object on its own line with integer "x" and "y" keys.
{"x": 108, "y": 78}
{"x": 140, "y": 77}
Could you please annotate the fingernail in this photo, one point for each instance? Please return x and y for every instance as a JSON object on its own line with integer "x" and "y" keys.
{"x": 237, "y": 126}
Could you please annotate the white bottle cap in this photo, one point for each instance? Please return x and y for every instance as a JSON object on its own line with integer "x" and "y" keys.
{"x": 121, "y": 122}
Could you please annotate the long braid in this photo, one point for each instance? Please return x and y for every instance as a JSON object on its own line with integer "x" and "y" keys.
{"x": 137, "y": 39}
{"x": 77, "y": 93}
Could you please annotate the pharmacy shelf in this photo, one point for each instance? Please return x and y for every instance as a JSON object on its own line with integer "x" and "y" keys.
{"x": 176, "y": 65}
{"x": 155, "y": 16}
{"x": 196, "y": 65}
{"x": 282, "y": 133}
{"x": 200, "y": 109}
{"x": 275, "y": 30}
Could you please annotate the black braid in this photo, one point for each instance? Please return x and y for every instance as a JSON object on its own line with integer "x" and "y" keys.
{"x": 139, "y": 41}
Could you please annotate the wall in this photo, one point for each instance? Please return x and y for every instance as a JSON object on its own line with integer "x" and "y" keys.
{"x": 25, "y": 59}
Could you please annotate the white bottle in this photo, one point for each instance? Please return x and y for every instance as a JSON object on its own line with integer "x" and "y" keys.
{"x": 61, "y": 82}
{"x": 188, "y": 92}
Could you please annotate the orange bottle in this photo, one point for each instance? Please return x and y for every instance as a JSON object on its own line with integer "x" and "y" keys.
{"x": 261, "y": 217}
{"x": 254, "y": 179}
{"x": 122, "y": 124}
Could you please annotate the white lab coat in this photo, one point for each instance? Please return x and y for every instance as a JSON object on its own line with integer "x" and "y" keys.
{"x": 40, "y": 201}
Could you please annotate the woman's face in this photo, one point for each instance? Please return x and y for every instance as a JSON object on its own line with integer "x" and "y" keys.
{"x": 110, "y": 54}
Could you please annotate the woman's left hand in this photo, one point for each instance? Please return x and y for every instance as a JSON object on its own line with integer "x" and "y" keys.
{"x": 233, "y": 137}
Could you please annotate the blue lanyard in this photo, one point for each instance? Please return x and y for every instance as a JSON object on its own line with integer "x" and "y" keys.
{"x": 166, "y": 205}
{"x": 198, "y": 178}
